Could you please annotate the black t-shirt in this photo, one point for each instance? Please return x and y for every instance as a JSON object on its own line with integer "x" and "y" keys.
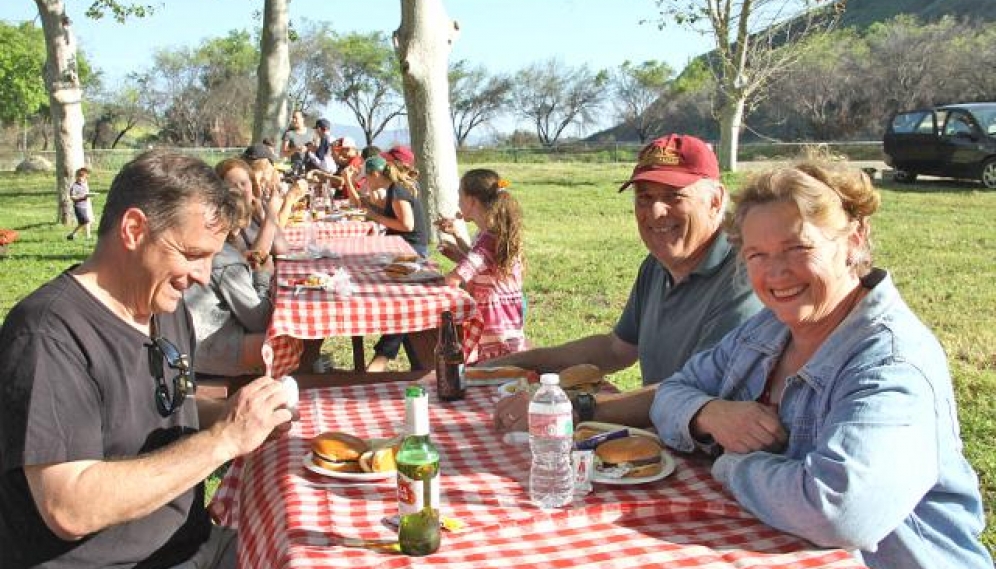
{"x": 418, "y": 237}
{"x": 75, "y": 385}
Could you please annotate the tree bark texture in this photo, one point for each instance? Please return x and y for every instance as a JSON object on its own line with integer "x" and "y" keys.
{"x": 731, "y": 116}
{"x": 423, "y": 44}
{"x": 270, "y": 116}
{"x": 65, "y": 100}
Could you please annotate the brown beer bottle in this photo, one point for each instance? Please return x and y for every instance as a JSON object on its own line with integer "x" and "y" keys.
{"x": 449, "y": 361}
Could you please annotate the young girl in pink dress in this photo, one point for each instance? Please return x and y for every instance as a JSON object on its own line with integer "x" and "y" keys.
{"x": 490, "y": 268}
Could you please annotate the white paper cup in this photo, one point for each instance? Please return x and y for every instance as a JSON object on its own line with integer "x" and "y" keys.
{"x": 290, "y": 388}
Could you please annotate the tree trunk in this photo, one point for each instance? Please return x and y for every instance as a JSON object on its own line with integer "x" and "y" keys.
{"x": 65, "y": 100}
{"x": 270, "y": 115}
{"x": 423, "y": 44}
{"x": 730, "y": 122}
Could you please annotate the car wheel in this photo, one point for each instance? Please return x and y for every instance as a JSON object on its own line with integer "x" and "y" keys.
{"x": 905, "y": 177}
{"x": 988, "y": 176}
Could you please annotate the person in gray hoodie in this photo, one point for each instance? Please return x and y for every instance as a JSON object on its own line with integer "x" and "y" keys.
{"x": 231, "y": 312}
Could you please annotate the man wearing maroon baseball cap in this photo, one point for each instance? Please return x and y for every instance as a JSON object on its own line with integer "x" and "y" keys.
{"x": 688, "y": 292}
{"x": 675, "y": 160}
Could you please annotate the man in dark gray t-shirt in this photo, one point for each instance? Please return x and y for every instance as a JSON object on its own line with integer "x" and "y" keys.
{"x": 688, "y": 292}
{"x": 295, "y": 138}
{"x": 103, "y": 447}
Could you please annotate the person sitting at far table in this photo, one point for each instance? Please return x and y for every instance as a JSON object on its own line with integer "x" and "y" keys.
{"x": 103, "y": 448}
{"x": 402, "y": 215}
{"x": 231, "y": 312}
{"x": 833, "y": 408}
{"x": 490, "y": 268}
{"x": 687, "y": 294}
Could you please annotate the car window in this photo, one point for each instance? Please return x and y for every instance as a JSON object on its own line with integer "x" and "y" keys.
{"x": 986, "y": 119}
{"x": 926, "y": 125}
{"x": 910, "y": 122}
{"x": 958, "y": 123}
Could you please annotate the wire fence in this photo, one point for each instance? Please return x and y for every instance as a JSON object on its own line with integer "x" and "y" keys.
{"x": 588, "y": 152}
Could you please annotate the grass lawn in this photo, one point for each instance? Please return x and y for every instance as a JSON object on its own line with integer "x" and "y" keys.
{"x": 582, "y": 247}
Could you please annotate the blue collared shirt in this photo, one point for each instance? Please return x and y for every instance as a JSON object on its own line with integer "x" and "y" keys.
{"x": 874, "y": 458}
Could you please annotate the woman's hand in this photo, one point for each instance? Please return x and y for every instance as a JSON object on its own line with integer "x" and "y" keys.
{"x": 450, "y": 251}
{"x": 446, "y": 225}
{"x": 740, "y": 426}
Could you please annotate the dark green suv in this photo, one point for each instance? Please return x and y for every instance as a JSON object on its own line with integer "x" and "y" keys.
{"x": 954, "y": 141}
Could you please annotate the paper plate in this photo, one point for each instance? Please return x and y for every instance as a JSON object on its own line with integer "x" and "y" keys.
{"x": 420, "y": 276}
{"x": 669, "y": 466}
{"x": 358, "y": 476}
{"x": 291, "y": 285}
{"x": 297, "y": 256}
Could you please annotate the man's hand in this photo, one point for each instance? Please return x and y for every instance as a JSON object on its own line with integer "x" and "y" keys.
{"x": 253, "y": 413}
{"x": 740, "y": 426}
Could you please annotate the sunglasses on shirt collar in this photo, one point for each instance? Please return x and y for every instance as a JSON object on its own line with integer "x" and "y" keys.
{"x": 160, "y": 351}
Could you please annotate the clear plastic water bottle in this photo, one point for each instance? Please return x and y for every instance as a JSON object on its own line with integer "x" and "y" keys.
{"x": 308, "y": 229}
{"x": 551, "y": 427}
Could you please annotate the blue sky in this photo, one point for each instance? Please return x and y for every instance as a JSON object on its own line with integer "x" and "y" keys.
{"x": 504, "y": 35}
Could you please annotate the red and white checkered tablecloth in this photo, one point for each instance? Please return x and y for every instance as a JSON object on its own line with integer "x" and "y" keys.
{"x": 326, "y": 231}
{"x": 684, "y": 520}
{"x": 380, "y": 304}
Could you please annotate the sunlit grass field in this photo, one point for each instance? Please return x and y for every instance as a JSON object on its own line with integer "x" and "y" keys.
{"x": 937, "y": 238}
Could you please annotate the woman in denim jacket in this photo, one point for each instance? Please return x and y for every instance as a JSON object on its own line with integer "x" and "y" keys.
{"x": 834, "y": 406}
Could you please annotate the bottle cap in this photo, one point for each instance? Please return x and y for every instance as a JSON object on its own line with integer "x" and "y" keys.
{"x": 550, "y": 379}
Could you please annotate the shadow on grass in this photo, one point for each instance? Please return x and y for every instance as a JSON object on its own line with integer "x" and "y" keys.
{"x": 931, "y": 186}
{"x": 39, "y": 257}
{"x": 44, "y": 225}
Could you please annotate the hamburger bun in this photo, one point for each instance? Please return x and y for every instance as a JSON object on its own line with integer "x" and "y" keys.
{"x": 413, "y": 258}
{"x": 338, "y": 452}
{"x": 582, "y": 377}
{"x": 638, "y": 456}
{"x": 497, "y": 372}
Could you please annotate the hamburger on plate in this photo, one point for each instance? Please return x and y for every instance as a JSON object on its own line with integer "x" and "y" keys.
{"x": 342, "y": 452}
{"x": 633, "y": 456}
{"x": 338, "y": 452}
{"x": 404, "y": 269}
{"x": 578, "y": 378}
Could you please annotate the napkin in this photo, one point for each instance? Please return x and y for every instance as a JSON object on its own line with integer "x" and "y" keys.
{"x": 341, "y": 283}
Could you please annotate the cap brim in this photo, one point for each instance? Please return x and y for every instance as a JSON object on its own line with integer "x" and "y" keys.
{"x": 671, "y": 178}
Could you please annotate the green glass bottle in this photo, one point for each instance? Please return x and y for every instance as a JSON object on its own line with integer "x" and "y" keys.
{"x": 418, "y": 479}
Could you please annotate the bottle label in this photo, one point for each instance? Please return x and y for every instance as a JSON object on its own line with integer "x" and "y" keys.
{"x": 552, "y": 425}
{"x": 411, "y": 494}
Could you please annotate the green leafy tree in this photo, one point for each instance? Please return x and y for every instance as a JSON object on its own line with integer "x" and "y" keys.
{"x": 22, "y": 59}
{"x": 554, "y": 96}
{"x": 475, "y": 97}
{"x": 637, "y": 87}
{"x": 362, "y": 73}
{"x": 746, "y": 36}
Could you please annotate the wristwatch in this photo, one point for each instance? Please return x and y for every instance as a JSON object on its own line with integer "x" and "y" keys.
{"x": 584, "y": 406}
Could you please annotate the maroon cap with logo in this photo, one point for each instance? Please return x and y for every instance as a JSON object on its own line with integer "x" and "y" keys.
{"x": 676, "y": 160}
{"x": 401, "y": 154}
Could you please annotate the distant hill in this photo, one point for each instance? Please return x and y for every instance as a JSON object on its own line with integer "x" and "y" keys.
{"x": 861, "y": 14}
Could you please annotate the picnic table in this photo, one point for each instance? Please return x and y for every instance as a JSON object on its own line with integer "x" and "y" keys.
{"x": 379, "y": 304}
{"x": 288, "y": 516}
